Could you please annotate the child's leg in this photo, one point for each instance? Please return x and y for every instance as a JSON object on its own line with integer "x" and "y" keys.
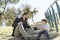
{"x": 46, "y": 33}
{"x": 39, "y": 35}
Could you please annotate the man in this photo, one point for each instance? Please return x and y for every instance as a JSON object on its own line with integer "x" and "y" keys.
{"x": 22, "y": 19}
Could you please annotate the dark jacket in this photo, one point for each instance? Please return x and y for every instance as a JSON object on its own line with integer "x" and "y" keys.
{"x": 17, "y": 20}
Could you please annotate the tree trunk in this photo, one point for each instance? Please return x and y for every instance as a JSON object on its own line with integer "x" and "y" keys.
{"x": 32, "y": 19}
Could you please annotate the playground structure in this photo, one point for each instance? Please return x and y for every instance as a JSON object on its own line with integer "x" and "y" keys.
{"x": 53, "y": 17}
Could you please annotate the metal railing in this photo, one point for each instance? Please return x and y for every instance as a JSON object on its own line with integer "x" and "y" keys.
{"x": 52, "y": 16}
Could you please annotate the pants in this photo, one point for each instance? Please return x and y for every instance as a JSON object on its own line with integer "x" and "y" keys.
{"x": 43, "y": 32}
{"x": 20, "y": 38}
{"x": 13, "y": 32}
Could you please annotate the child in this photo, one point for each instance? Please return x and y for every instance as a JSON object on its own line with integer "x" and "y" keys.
{"x": 44, "y": 29}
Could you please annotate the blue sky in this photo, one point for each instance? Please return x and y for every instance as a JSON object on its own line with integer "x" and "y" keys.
{"x": 40, "y": 5}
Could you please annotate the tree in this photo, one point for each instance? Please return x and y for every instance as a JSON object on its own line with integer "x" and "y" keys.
{"x": 34, "y": 13}
{"x": 9, "y": 16}
{"x": 27, "y": 8}
{"x": 3, "y": 5}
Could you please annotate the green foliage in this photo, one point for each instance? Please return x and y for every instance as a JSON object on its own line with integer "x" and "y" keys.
{"x": 14, "y": 1}
{"x": 27, "y": 8}
{"x": 9, "y": 15}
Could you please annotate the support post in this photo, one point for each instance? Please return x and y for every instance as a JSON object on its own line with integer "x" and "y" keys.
{"x": 56, "y": 24}
{"x": 51, "y": 18}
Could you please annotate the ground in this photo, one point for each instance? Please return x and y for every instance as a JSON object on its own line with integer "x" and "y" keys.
{"x": 5, "y": 33}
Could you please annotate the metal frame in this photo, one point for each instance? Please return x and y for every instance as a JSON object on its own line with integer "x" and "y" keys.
{"x": 53, "y": 20}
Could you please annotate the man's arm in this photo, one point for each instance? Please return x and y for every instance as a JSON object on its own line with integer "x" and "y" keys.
{"x": 41, "y": 27}
{"x": 15, "y": 22}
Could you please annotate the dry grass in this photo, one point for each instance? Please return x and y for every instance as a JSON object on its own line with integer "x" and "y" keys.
{"x": 5, "y": 32}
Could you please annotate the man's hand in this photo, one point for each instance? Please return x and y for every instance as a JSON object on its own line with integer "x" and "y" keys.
{"x": 20, "y": 23}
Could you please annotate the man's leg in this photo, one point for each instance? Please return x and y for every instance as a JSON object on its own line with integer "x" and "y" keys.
{"x": 13, "y": 32}
{"x": 19, "y": 38}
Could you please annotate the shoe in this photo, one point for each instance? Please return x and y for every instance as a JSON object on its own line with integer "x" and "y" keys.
{"x": 13, "y": 35}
